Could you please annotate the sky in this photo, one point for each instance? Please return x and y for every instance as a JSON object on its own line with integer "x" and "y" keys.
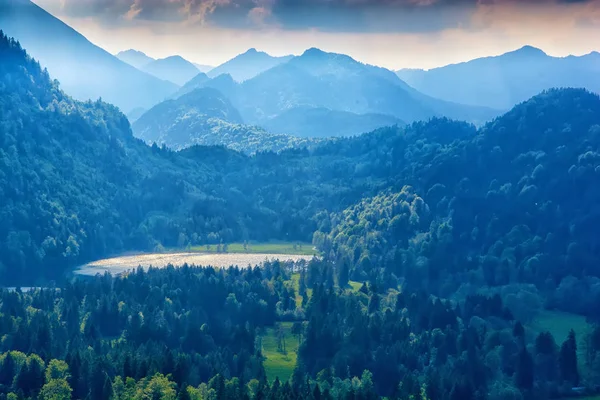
{"x": 390, "y": 33}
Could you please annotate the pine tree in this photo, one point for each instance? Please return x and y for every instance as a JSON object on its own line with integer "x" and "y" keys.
{"x": 343, "y": 275}
{"x": 524, "y": 374}
{"x": 567, "y": 360}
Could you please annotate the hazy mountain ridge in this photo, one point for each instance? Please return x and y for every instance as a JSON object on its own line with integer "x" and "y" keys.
{"x": 135, "y": 58}
{"x": 248, "y": 65}
{"x": 338, "y": 82}
{"x": 206, "y": 117}
{"x": 196, "y": 82}
{"x": 174, "y": 69}
{"x": 85, "y": 70}
{"x": 203, "y": 68}
{"x": 508, "y": 79}
{"x": 323, "y": 122}
{"x": 321, "y": 94}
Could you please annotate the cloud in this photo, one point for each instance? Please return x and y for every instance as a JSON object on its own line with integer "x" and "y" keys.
{"x": 352, "y": 16}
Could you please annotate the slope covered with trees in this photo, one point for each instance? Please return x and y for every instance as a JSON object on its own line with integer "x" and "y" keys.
{"x": 206, "y": 117}
{"x": 511, "y": 204}
{"x": 539, "y": 156}
{"x": 77, "y": 185}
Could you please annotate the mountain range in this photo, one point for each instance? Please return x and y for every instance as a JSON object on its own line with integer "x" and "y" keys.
{"x": 316, "y": 94}
{"x": 206, "y": 117}
{"x": 169, "y": 67}
{"x": 317, "y": 79}
{"x": 174, "y": 69}
{"x": 86, "y": 71}
{"x": 502, "y": 81}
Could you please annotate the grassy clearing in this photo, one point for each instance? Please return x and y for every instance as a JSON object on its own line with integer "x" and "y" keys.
{"x": 296, "y": 285}
{"x": 304, "y": 249}
{"x": 276, "y": 363}
{"x": 355, "y": 286}
{"x": 281, "y": 365}
{"x": 559, "y": 324}
{"x": 295, "y": 281}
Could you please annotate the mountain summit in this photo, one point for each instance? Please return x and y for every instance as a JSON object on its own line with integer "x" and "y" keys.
{"x": 505, "y": 80}
{"x": 135, "y": 58}
{"x": 248, "y": 65}
{"x": 175, "y": 69}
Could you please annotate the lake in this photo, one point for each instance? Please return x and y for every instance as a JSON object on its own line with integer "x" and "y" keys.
{"x": 118, "y": 265}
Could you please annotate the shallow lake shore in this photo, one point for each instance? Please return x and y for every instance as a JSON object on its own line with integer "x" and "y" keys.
{"x": 121, "y": 264}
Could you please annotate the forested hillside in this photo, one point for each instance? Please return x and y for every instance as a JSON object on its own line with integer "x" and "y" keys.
{"x": 206, "y": 117}
{"x": 77, "y": 185}
{"x": 513, "y": 203}
{"x": 157, "y": 196}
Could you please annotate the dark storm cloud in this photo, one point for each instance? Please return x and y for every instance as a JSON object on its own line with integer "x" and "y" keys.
{"x": 412, "y": 16}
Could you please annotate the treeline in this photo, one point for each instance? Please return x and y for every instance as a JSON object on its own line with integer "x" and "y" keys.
{"x": 193, "y": 333}
{"x": 418, "y": 346}
{"x": 187, "y": 323}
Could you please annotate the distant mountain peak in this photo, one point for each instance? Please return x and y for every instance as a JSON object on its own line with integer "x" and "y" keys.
{"x": 175, "y": 58}
{"x": 317, "y": 55}
{"x": 313, "y": 52}
{"x": 131, "y": 51}
{"x": 225, "y": 77}
{"x": 248, "y": 65}
{"x": 174, "y": 68}
{"x": 135, "y": 58}
{"x": 529, "y": 51}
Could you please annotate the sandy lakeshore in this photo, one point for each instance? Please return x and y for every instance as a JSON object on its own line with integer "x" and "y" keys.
{"x": 118, "y": 265}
